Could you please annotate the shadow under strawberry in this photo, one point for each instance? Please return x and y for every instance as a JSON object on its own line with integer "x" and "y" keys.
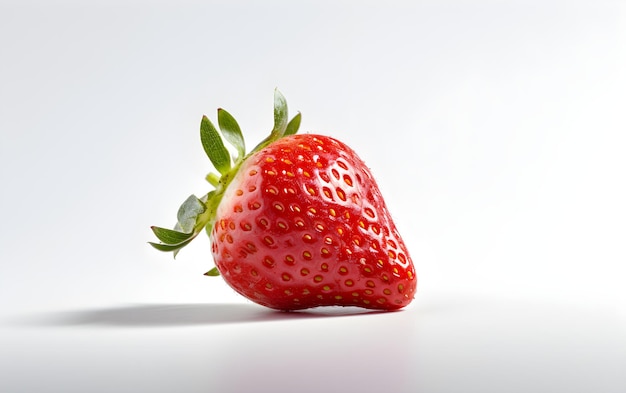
{"x": 172, "y": 315}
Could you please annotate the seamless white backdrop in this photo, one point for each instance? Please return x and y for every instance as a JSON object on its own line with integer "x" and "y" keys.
{"x": 495, "y": 130}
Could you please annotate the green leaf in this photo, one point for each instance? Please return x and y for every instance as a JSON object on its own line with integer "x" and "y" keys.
{"x": 169, "y": 247}
{"x": 231, "y": 131}
{"x": 188, "y": 213}
{"x": 169, "y": 236}
{"x": 214, "y": 147}
{"x": 213, "y": 272}
{"x": 293, "y": 125}
{"x": 280, "y": 115}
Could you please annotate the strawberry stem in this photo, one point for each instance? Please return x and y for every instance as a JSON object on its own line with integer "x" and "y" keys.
{"x": 196, "y": 214}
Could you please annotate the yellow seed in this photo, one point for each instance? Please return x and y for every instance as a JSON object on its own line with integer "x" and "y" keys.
{"x": 317, "y": 278}
{"x": 349, "y": 283}
{"x": 268, "y": 262}
{"x": 306, "y": 255}
{"x": 338, "y": 297}
{"x": 326, "y": 288}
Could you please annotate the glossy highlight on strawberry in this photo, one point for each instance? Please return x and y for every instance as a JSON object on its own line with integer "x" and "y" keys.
{"x": 297, "y": 223}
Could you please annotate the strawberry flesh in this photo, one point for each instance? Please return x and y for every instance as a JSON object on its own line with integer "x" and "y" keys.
{"x": 303, "y": 224}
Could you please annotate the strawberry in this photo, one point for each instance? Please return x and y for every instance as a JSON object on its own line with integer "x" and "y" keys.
{"x": 297, "y": 223}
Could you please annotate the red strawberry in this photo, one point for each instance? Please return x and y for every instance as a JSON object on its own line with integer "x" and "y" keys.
{"x": 297, "y": 223}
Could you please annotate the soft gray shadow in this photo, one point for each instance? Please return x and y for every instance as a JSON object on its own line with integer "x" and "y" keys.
{"x": 163, "y": 315}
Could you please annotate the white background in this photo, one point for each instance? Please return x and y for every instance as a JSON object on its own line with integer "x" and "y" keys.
{"x": 495, "y": 130}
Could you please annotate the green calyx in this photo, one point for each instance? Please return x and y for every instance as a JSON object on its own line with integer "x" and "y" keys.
{"x": 196, "y": 214}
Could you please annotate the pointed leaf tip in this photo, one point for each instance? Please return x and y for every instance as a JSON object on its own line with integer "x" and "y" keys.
{"x": 294, "y": 125}
{"x": 231, "y": 131}
{"x": 213, "y": 146}
{"x": 213, "y": 272}
{"x": 281, "y": 115}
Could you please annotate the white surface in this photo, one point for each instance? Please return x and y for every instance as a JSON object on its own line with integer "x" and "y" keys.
{"x": 507, "y": 117}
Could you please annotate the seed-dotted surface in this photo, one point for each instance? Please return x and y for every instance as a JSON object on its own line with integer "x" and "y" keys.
{"x": 304, "y": 225}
